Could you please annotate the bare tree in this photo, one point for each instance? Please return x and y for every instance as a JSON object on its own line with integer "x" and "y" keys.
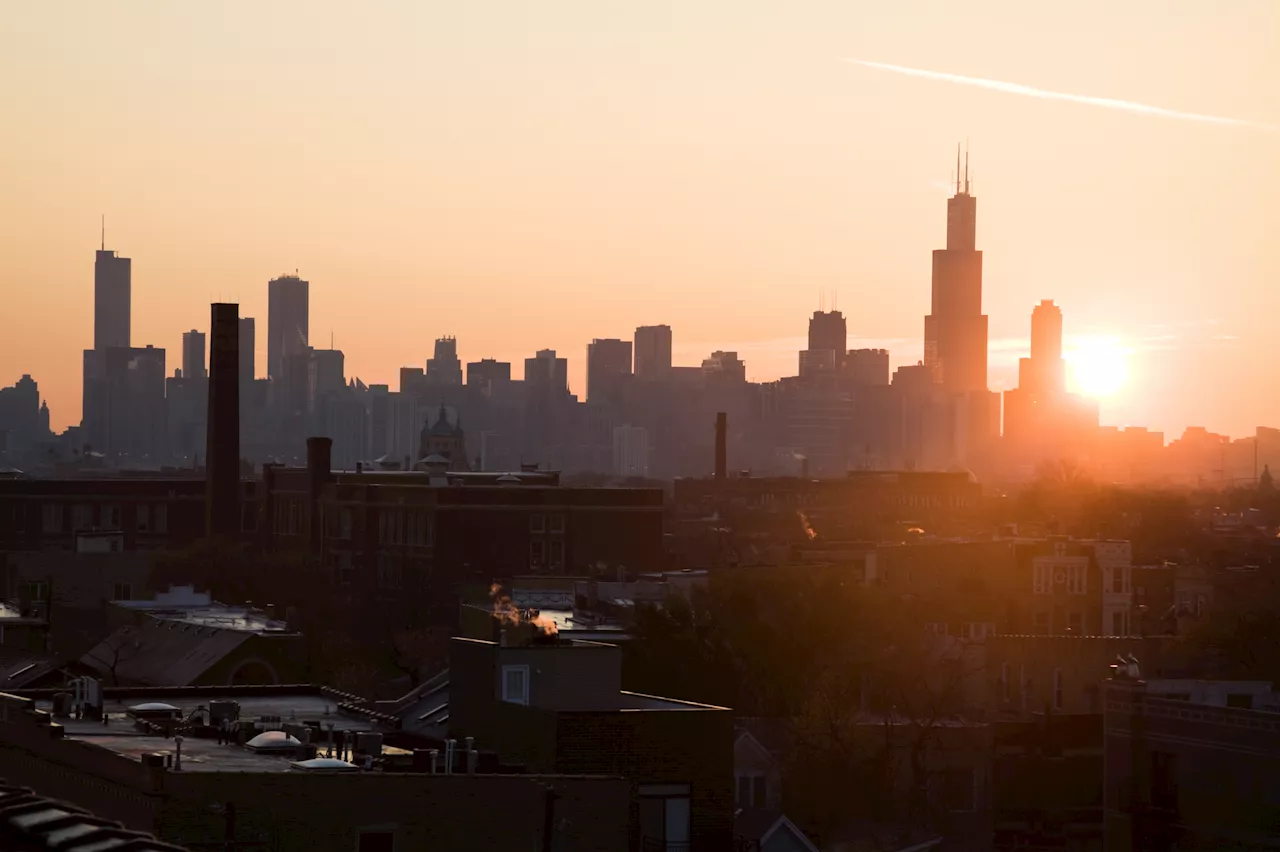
{"x": 117, "y": 649}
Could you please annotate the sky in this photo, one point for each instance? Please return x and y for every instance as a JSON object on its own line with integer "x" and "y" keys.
{"x": 528, "y": 175}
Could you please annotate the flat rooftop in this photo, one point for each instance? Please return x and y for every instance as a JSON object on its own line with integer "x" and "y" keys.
{"x": 185, "y": 604}
{"x": 199, "y": 754}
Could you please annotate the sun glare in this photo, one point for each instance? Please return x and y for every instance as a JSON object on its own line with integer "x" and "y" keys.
{"x": 1098, "y": 366}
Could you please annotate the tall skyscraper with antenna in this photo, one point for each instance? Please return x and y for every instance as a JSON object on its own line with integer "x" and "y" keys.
{"x": 955, "y": 331}
{"x": 112, "y": 297}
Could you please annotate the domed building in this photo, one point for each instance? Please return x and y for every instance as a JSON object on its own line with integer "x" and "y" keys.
{"x": 442, "y": 443}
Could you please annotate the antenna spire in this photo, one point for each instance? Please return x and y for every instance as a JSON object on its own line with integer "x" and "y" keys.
{"x": 104, "y": 231}
{"x": 957, "y": 168}
{"x": 966, "y": 167}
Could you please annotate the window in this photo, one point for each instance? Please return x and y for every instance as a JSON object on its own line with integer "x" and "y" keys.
{"x": 51, "y": 517}
{"x": 664, "y": 817}
{"x": 111, "y": 517}
{"x": 1057, "y": 689}
{"x": 1117, "y": 624}
{"x": 557, "y": 524}
{"x": 344, "y": 524}
{"x": 537, "y": 523}
{"x": 535, "y": 554}
{"x": 122, "y": 592}
{"x": 515, "y": 684}
{"x": 81, "y": 517}
{"x": 557, "y": 554}
{"x": 376, "y": 841}
{"x": 752, "y": 790}
{"x": 1076, "y": 579}
{"x": 1004, "y": 681}
{"x": 38, "y": 590}
{"x": 936, "y": 627}
{"x": 1140, "y": 593}
{"x": 1117, "y": 581}
{"x": 1041, "y": 579}
{"x": 1075, "y": 622}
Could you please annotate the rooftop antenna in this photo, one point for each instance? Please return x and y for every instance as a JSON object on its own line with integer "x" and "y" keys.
{"x": 104, "y": 231}
{"x": 957, "y": 168}
{"x": 966, "y": 166}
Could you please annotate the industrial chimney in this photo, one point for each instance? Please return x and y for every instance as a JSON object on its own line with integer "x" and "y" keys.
{"x": 222, "y": 448}
{"x": 319, "y": 457}
{"x": 722, "y": 440}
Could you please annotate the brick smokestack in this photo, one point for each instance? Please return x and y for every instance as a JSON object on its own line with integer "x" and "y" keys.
{"x": 722, "y": 448}
{"x": 222, "y": 450}
{"x": 319, "y": 470}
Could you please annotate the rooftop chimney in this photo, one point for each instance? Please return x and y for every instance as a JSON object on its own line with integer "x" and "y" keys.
{"x": 222, "y": 448}
{"x": 722, "y": 451}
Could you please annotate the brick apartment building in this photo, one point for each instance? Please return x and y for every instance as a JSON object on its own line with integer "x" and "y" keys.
{"x": 151, "y": 513}
{"x": 559, "y": 706}
{"x": 410, "y": 536}
{"x": 1184, "y": 774}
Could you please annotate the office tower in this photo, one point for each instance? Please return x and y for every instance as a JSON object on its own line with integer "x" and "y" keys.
{"x": 865, "y": 368}
{"x": 193, "y": 355}
{"x": 247, "y": 361}
{"x": 112, "y": 299}
{"x": 1044, "y": 371}
{"x": 325, "y": 376}
{"x": 828, "y": 331}
{"x": 444, "y": 368}
{"x": 489, "y": 375}
{"x": 413, "y": 381}
{"x": 288, "y": 323}
{"x": 21, "y": 415}
{"x": 133, "y": 411}
{"x": 222, "y": 450}
{"x": 724, "y": 366}
{"x": 653, "y": 351}
{"x": 608, "y": 365}
{"x": 630, "y": 451}
{"x": 955, "y": 332}
{"x": 546, "y": 376}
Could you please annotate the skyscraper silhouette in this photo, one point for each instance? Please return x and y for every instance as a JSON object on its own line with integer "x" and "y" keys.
{"x": 193, "y": 355}
{"x": 288, "y": 321}
{"x": 608, "y": 365}
{"x": 955, "y": 332}
{"x": 247, "y": 337}
{"x": 653, "y": 351}
{"x": 112, "y": 299}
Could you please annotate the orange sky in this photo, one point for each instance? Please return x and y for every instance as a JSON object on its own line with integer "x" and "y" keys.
{"x": 527, "y": 174}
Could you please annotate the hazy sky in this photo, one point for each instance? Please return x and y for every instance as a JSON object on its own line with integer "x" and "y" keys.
{"x": 534, "y": 174}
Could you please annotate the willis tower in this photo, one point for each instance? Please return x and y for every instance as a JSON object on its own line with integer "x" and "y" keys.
{"x": 955, "y": 332}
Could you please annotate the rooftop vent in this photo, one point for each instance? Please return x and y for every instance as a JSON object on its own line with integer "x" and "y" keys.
{"x": 269, "y": 741}
{"x": 324, "y": 764}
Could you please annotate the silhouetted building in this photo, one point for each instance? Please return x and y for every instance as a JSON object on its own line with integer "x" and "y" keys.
{"x": 724, "y": 367}
{"x": 442, "y": 445}
{"x": 608, "y": 365}
{"x": 133, "y": 424}
{"x": 288, "y": 321}
{"x": 193, "y": 355}
{"x": 112, "y": 300}
{"x": 444, "y": 368}
{"x": 955, "y": 332}
{"x": 631, "y": 451}
{"x": 653, "y": 351}
{"x": 23, "y": 420}
{"x": 865, "y": 368}
{"x": 413, "y": 381}
{"x": 489, "y": 375}
{"x": 248, "y": 361}
{"x": 325, "y": 376}
{"x": 828, "y": 334}
{"x": 546, "y": 375}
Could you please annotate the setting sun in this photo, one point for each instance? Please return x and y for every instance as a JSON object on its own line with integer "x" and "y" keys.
{"x": 1098, "y": 366}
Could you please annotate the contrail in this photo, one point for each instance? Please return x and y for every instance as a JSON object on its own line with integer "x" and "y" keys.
{"x": 1106, "y": 103}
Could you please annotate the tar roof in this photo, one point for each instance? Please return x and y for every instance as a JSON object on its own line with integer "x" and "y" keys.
{"x": 200, "y": 754}
{"x": 157, "y": 654}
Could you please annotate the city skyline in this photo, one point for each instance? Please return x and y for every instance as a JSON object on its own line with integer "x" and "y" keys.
{"x": 400, "y": 197}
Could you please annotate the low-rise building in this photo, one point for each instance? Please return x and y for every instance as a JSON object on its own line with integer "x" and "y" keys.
{"x": 1186, "y": 775}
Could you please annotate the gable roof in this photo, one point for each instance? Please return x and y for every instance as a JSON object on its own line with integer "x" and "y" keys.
{"x": 162, "y": 653}
{"x": 758, "y": 826}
